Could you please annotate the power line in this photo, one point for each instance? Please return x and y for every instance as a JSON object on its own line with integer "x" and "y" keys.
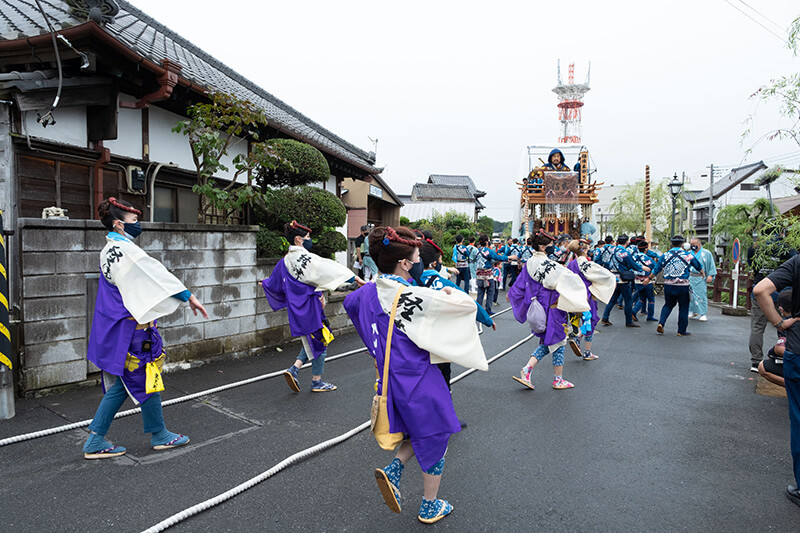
{"x": 762, "y": 15}
{"x": 782, "y": 39}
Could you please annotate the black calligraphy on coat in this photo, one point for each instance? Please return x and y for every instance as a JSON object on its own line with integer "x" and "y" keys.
{"x": 300, "y": 265}
{"x": 407, "y": 305}
{"x": 544, "y": 269}
{"x": 114, "y": 255}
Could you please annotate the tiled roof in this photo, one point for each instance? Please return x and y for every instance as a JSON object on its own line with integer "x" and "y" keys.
{"x": 731, "y": 180}
{"x": 429, "y": 191}
{"x": 447, "y": 179}
{"x": 136, "y": 30}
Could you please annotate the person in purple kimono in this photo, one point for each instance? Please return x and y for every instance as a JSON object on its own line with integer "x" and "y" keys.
{"x": 600, "y": 285}
{"x": 297, "y": 283}
{"x": 559, "y": 291}
{"x": 431, "y": 326}
{"x": 134, "y": 290}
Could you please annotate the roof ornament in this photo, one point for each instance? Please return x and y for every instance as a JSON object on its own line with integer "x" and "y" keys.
{"x": 100, "y": 11}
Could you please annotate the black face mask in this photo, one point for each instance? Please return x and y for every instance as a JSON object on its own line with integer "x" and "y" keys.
{"x": 132, "y": 230}
{"x": 438, "y": 266}
{"x": 695, "y": 248}
{"x": 307, "y": 244}
{"x": 416, "y": 273}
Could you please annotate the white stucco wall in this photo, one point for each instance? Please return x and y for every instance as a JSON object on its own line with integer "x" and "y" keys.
{"x": 70, "y": 126}
{"x": 418, "y": 210}
{"x": 129, "y": 131}
{"x": 169, "y": 147}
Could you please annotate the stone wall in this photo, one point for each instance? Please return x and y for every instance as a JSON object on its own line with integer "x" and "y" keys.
{"x": 60, "y": 271}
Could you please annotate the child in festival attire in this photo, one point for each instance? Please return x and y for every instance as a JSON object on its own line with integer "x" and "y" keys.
{"x": 431, "y": 326}
{"x": 600, "y": 285}
{"x": 133, "y": 292}
{"x": 297, "y": 284}
{"x": 559, "y": 291}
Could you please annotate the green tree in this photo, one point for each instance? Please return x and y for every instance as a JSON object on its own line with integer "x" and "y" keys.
{"x": 629, "y": 211}
{"x": 213, "y": 127}
{"x": 485, "y": 225}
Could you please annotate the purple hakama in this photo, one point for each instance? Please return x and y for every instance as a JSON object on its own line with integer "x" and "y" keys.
{"x": 418, "y": 400}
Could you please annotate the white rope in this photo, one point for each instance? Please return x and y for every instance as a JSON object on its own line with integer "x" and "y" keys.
{"x": 84, "y": 423}
{"x": 289, "y": 461}
{"x": 173, "y": 401}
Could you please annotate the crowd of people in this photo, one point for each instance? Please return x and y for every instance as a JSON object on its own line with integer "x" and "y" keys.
{"x": 415, "y": 321}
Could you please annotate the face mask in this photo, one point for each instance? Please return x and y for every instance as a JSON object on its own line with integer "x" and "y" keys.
{"x": 416, "y": 273}
{"x": 686, "y": 246}
{"x": 695, "y": 248}
{"x": 132, "y": 230}
{"x": 438, "y": 266}
{"x": 307, "y": 244}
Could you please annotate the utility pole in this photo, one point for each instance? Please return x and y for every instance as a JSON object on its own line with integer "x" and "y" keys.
{"x": 680, "y": 207}
{"x": 711, "y": 205}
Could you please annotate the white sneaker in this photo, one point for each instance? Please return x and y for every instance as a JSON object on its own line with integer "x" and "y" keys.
{"x": 703, "y": 318}
{"x": 693, "y": 316}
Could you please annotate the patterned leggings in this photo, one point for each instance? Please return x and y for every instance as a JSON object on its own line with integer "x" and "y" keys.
{"x": 558, "y": 355}
{"x": 437, "y": 469}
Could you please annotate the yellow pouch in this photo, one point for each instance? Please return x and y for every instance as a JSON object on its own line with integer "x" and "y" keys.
{"x": 153, "y": 381}
{"x": 327, "y": 336}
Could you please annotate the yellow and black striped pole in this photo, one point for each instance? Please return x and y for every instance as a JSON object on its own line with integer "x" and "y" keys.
{"x": 6, "y": 376}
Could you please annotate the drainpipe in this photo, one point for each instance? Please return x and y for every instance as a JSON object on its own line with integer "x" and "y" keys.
{"x": 153, "y": 184}
{"x": 105, "y": 157}
{"x": 167, "y": 82}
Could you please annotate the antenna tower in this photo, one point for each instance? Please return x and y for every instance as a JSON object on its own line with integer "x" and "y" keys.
{"x": 570, "y": 102}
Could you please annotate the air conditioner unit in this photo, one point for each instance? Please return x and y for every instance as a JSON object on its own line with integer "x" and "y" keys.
{"x": 137, "y": 184}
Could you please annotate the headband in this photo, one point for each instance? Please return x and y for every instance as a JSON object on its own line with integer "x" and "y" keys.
{"x": 296, "y": 225}
{"x": 434, "y": 245}
{"x": 390, "y": 235}
{"x": 113, "y": 201}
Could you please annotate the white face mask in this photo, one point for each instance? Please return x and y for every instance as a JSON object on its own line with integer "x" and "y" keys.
{"x": 686, "y": 246}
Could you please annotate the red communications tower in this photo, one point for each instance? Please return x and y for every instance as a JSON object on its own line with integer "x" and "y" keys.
{"x": 570, "y": 102}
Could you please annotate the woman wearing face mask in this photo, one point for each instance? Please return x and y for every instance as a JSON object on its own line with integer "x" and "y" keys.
{"x": 600, "y": 285}
{"x": 297, "y": 284}
{"x": 134, "y": 290}
{"x": 559, "y": 291}
{"x": 431, "y": 326}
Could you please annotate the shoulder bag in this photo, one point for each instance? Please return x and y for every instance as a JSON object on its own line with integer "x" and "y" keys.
{"x": 380, "y": 415}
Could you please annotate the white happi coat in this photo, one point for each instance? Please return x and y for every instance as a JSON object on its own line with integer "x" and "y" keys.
{"x": 314, "y": 270}
{"x": 554, "y": 276}
{"x": 440, "y": 323}
{"x": 603, "y": 282}
{"x": 146, "y": 286}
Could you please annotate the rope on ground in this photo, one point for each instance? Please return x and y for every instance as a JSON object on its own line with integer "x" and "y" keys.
{"x": 291, "y": 460}
{"x": 173, "y": 401}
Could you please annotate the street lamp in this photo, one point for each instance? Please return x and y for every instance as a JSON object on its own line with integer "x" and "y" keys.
{"x": 675, "y": 187}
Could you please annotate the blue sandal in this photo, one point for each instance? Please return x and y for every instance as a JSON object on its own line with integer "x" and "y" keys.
{"x": 433, "y": 510}
{"x": 175, "y": 441}
{"x": 322, "y": 386}
{"x": 107, "y": 453}
{"x": 389, "y": 484}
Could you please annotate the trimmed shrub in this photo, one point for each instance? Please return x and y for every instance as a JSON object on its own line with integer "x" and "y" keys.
{"x": 329, "y": 242}
{"x": 286, "y": 162}
{"x": 270, "y": 243}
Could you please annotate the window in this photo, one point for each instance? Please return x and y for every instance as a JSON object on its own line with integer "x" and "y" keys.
{"x": 749, "y": 187}
{"x": 175, "y": 205}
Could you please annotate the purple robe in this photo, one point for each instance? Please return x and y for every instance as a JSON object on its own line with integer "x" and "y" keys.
{"x": 418, "y": 400}
{"x": 301, "y": 302}
{"x": 575, "y": 267}
{"x": 520, "y": 295}
{"x": 114, "y": 336}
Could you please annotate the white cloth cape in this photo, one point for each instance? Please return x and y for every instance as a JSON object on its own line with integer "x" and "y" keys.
{"x": 314, "y": 270}
{"x": 603, "y": 281}
{"x": 440, "y": 323}
{"x": 145, "y": 284}
{"x": 554, "y": 276}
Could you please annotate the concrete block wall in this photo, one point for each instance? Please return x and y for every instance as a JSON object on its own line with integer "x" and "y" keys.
{"x": 60, "y": 267}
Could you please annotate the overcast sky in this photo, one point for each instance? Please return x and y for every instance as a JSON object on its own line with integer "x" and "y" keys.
{"x": 463, "y": 87}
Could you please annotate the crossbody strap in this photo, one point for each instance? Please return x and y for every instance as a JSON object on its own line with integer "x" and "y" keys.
{"x": 385, "y": 380}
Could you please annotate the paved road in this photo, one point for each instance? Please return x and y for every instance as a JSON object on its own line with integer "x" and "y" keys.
{"x": 660, "y": 433}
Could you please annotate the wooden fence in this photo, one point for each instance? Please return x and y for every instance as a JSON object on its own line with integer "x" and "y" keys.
{"x": 723, "y": 285}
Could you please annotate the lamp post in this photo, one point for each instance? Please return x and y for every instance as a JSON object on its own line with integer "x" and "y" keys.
{"x": 675, "y": 187}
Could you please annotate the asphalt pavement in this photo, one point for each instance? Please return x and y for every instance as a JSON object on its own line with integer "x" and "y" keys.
{"x": 661, "y": 433}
